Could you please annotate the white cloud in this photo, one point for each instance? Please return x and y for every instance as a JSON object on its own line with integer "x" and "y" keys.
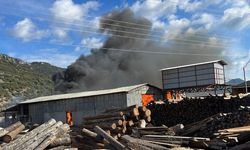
{"x": 27, "y": 30}
{"x": 68, "y": 14}
{"x": 237, "y": 17}
{"x": 92, "y": 42}
{"x": 176, "y": 27}
{"x": 237, "y": 62}
{"x": 60, "y": 34}
{"x": 205, "y": 20}
{"x": 68, "y": 11}
{"x": 154, "y": 9}
{"x": 190, "y": 6}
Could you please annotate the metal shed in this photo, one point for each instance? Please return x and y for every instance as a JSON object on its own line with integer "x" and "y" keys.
{"x": 194, "y": 75}
{"x": 85, "y": 103}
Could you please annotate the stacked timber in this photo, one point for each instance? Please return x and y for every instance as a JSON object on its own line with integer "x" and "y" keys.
{"x": 8, "y": 134}
{"x": 191, "y": 110}
{"x": 119, "y": 121}
{"x": 207, "y": 127}
{"x": 50, "y": 134}
{"x": 232, "y": 138}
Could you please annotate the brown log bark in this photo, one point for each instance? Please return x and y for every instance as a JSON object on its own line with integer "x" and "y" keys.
{"x": 12, "y": 134}
{"x": 109, "y": 138}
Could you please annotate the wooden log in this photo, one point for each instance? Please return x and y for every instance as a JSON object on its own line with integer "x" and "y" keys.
{"x": 236, "y": 130}
{"x": 129, "y": 139}
{"x": 89, "y": 133}
{"x": 142, "y": 123}
{"x": 159, "y": 128}
{"x": 96, "y": 121}
{"x": 102, "y": 116}
{"x": 53, "y": 136}
{"x": 34, "y": 142}
{"x": 126, "y": 109}
{"x": 93, "y": 135}
{"x": 60, "y": 148}
{"x": 65, "y": 140}
{"x": 109, "y": 138}
{"x": 9, "y": 128}
{"x": 13, "y": 145}
{"x": 177, "y": 129}
{"x": 176, "y": 138}
{"x": 106, "y": 127}
{"x": 147, "y": 113}
{"x": 12, "y": 134}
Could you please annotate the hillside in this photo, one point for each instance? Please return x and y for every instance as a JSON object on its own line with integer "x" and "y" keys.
{"x": 20, "y": 80}
{"x": 235, "y": 81}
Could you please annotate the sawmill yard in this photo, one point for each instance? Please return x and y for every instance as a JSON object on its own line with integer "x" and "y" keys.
{"x": 208, "y": 123}
{"x": 124, "y": 75}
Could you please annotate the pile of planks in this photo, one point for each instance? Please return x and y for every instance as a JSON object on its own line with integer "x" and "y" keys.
{"x": 232, "y": 138}
{"x": 100, "y": 139}
{"x": 52, "y": 134}
{"x": 120, "y": 121}
{"x": 194, "y": 109}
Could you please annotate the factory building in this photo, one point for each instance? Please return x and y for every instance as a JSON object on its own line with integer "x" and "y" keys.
{"x": 73, "y": 107}
{"x": 193, "y": 77}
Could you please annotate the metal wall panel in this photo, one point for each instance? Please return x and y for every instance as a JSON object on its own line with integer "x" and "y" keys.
{"x": 186, "y": 79}
{"x": 205, "y": 66}
{"x": 80, "y": 107}
{"x": 186, "y": 69}
{"x": 185, "y": 74}
{"x": 206, "y": 74}
{"x": 170, "y": 76}
{"x": 205, "y": 71}
{"x": 188, "y": 84}
{"x": 135, "y": 96}
{"x": 170, "y": 86}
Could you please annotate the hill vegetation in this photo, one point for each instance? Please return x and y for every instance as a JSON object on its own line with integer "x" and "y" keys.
{"x": 20, "y": 80}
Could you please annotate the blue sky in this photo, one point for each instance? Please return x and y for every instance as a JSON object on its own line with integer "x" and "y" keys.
{"x": 60, "y": 31}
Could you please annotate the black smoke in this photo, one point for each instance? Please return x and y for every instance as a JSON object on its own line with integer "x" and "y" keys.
{"x": 107, "y": 67}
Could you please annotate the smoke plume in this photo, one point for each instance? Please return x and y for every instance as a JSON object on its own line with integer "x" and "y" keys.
{"x": 108, "y": 68}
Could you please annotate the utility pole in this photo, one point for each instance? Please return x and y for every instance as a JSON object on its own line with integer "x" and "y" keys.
{"x": 244, "y": 71}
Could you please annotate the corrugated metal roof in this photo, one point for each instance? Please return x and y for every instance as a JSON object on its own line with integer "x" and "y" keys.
{"x": 196, "y": 64}
{"x": 82, "y": 94}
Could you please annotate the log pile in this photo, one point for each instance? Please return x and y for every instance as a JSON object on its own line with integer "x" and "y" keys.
{"x": 120, "y": 121}
{"x": 208, "y": 126}
{"x": 193, "y": 110}
{"x": 48, "y": 135}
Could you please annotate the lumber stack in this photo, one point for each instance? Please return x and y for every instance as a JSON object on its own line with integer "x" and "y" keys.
{"x": 9, "y": 133}
{"x": 50, "y": 134}
{"x": 207, "y": 127}
{"x": 120, "y": 121}
{"x": 191, "y": 110}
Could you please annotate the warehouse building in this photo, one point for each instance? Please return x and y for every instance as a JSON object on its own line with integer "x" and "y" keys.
{"x": 75, "y": 106}
{"x": 197, "y": 77}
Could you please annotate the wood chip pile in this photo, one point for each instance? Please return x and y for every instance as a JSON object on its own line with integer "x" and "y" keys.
{"x": 52, "y": 134}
